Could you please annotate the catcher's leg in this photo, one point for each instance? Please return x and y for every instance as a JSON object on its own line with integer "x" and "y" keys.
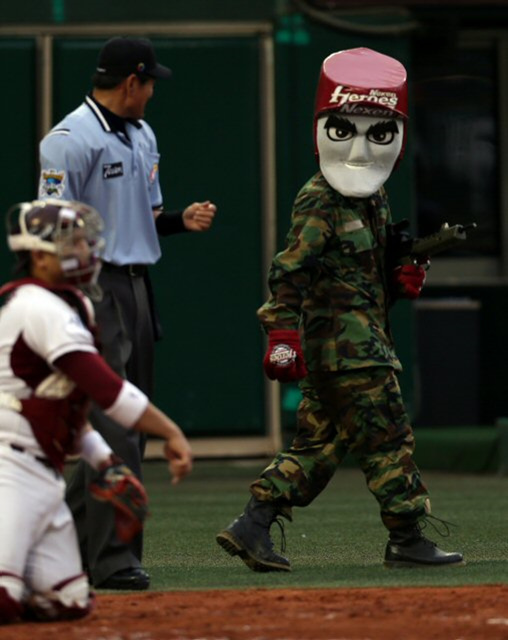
{"x": 11, "y": 590}
{"x": 67, "y": 600}
{"x": 57, "y": 588}
{"x": 28, "y": 492}
{"x": 295, "y": 477}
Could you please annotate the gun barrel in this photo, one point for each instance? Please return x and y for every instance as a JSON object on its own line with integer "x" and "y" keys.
{"x": 446, "y": 238}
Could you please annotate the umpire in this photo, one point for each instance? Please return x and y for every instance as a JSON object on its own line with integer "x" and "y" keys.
{"x": 104, "y": 154}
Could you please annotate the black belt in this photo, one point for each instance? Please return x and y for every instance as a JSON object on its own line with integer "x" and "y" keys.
{"x": 132, "y": 270}
{"x": 43, "y": 461}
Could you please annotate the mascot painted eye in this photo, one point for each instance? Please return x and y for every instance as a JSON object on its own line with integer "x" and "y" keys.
{"x": 339, "y": 129}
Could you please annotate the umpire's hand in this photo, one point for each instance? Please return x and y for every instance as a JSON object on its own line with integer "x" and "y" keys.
{"x": 199, "y": 216}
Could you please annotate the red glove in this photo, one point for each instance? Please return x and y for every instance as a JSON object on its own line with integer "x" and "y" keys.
{"x": 117, "y": 485}
{"x": 283, "y": 360}
{"x": 409, "y": 280}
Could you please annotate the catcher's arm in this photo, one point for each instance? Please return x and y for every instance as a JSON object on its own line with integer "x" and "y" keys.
{"x": 176, "y": 448}
{"x": 127, "y": 405}
{"x": 115, "y": 483}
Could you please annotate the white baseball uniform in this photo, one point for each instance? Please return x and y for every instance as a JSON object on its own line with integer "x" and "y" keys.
{"x": 39, "y": 548}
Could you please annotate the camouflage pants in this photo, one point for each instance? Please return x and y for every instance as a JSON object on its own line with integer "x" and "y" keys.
{"x": 360, "y": 412}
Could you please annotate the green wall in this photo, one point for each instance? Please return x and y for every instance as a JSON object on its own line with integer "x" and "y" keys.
{"x": 18, "y": 113}
{"x": 491, "y": 351}
{"x": 114, "y": 11}
{"x": 208, "y": 286}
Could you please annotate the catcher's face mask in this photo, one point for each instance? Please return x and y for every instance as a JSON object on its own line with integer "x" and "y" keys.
{"x": 69, "y": 229}
{"x": 357, "y": 153}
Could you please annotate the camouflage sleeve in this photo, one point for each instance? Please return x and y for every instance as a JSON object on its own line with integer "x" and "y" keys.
{"x": 292, "y": 269}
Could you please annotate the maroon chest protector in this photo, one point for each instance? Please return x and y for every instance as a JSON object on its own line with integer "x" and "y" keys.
{"x": 56, "y": 410}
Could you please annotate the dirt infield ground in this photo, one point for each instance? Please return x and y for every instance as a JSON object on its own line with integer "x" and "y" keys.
{"x": 465, "y": 613}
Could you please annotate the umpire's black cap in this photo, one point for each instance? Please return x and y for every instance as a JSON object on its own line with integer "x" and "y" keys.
{"x": 122, "y": 56}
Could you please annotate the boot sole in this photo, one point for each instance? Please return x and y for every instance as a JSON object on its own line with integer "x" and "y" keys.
{"x": 231, "y": 545}
{"x": 400, "y": 564}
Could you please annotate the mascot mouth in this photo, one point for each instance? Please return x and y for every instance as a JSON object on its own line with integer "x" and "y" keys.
{"x": 358, "y": 165}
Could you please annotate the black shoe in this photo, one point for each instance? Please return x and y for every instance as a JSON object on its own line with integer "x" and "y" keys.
{"x": 410, "y": 548}
{"x": 131, "y": 579}
{"x": 249, "y": 538}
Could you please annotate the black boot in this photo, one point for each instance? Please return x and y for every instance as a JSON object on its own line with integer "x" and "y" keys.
{"x": 249, "y": 537}
{"x": 408, "y": 547}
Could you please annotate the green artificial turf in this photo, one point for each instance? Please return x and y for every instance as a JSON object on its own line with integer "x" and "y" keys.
{"x": 337, "y": 541}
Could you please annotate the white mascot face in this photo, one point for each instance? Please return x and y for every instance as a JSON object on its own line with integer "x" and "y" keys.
{"x": 357, "y": 153}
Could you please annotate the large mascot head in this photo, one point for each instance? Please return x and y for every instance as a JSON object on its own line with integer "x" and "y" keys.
{"x": 360, "y": 120}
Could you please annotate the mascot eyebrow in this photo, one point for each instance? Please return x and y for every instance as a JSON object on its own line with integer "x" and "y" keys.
{"x": 336, "y": 122}
{"x": 388, "y": 126}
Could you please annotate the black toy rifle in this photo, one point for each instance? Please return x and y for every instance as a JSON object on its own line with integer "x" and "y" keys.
{"x": 404, "y": 249}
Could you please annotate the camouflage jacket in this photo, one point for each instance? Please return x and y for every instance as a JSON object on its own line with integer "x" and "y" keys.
{"x": 330, "y": 280}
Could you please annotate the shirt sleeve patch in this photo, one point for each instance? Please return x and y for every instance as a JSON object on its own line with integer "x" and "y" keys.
{"x": 153, "y": 172}
{"x": 51, "y": 183}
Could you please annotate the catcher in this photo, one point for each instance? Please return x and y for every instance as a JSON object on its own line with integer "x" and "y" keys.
{"x": 50, "y": 370}
{"x": 332, "y": 287}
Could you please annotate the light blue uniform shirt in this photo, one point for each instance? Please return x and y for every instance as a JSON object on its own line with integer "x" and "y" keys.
{"x": 82, "y": 158}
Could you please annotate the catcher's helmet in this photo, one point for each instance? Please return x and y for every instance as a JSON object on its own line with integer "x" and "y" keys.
{"x": 57, "y": 226}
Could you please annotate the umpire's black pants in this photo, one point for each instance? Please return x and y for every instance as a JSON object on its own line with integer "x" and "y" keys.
{"x": 126, "y": 335}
